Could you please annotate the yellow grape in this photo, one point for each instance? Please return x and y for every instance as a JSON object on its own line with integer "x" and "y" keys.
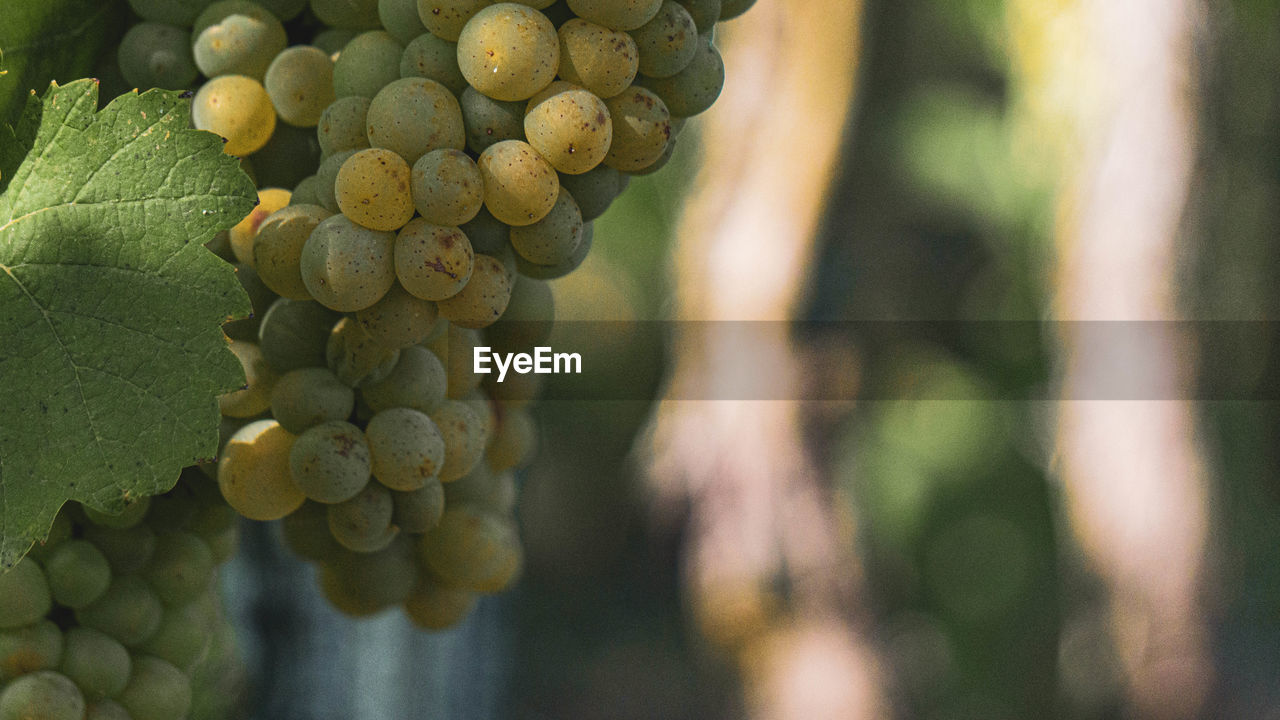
{"x": 509, "y": 51}
{"x": 372, "y": 189}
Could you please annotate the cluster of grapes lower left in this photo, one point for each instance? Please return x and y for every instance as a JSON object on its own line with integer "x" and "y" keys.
{"x": 117, "y": 617}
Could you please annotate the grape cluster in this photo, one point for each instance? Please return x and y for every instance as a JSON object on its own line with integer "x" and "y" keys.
{"x": 426, "y": 166}
{"x": 113, "y": 615}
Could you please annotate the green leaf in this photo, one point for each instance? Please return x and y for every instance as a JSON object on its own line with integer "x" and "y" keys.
{"x": 111, "y": 351}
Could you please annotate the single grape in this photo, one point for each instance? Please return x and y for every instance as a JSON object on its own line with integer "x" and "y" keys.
{"x": 342, "y": 125}
{"x": 601, "y": 60}
{"x": 528, "y": 319}
{"x": 668, "y": 42}
{"x": 128, "y": 515}
{"x": 277, "y": 250}
{"x": 472, "y": 549}
{"x": 400, "y": 18}
{"x": 363, "y": 523}
{"x": 355, "y": 357}
{"x": 347, "y": 14}
{"x": 184, "y": 635}
{"x": 367, "y": 64}
{"x": 413, "y": 116}
{"x": 417, "y": 382}
{"x": 446, "y": 18}
{"x": 43, "y": 695}
{"x": 551, "y": 272}
{"x": 254, "y": 475}
{"x": 464, "y": 438}
{"x": 641, "y": 129}
{"x": 594, "y": 191}
{"x": 490, "y": 121}
{"x": 287, "y": 158}
{"x": 234, "y": 37}
{"x": 300, "y": 84}
{"x": 483, "y": 489}
{"x": 157, "y": 55}
{"x": 417, "y": 511}
{"x": 372, "y": 189}
{"x": 733, "y": 8}
{"x": 95, "y": 661}
{"x": 294, "y": 334}
{"x": 616, "y": 14}
{"x": 520, "y": 186}
{"x": 173, "y": 12}
{"x": 255, "y": 398}
{"x": 383, "y": 578}
{"x": 181, "y": 568}
{"x": 127, "y": 550}
{"x": 24, "y": 595}
{"x": 428, "y": 56}
{"x": 569, "y": 126}
{"x": 553, "y": 239}
{"x": 35, "y": 647}
{"x": 347, "y": 267}
{"x": 399, "y": 319}
{"x": 307, "y": 397}
{"x": 78, "y": 574}
{"x": 306, "y": 532}
{"x": 156, "y": 691}
{"x": 405, "y": 448}
{"x": 344, "y": 597}
{"x": 237, "y": 108}
{"x": 431, "y": 261}
{"x": 330, "y": 462}
{"x": 433, "y": 606}
{"x": 483, "y": 299}
{"x": 514, "y": 443}
{"x": 245, "y": 231}
{"x": 662, "y": 161}
{"x": 447, "y": 187}
{"x": 306, "y": 193}
{"x": 695, "y": 89}
{"x": 509, "y": 51}
{"x": 333, "y": 40}
{"x": 128, "y": 611}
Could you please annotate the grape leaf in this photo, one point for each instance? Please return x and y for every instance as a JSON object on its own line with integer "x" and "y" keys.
{"x": 111, "y": 351}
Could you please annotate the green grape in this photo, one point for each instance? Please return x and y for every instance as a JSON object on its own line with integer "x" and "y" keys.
{"x": 464, "y": 438}
{"x": 487, "y": 234}
{"x": 236, "y": 38}
{"x": 661, "y": 162}
{"x": 347, "y": 267}
{"x": 253, "y": 472}
{"x": 347, "y": 14}
{"x": 668, "y": 42}
{"x": 428, "y": 56}
{"x": 59, "y": 532}
{"x": 224, "y": 543}
{"x": 184, "y": 635}
{"x": 641, "y": 129}
{"x": 594, "y": 191}
{"x": 306, "y": 192}
{"x": 172, "y": 12}
{"x": 156, "y": 691}
{"x": 103, "y": 709}
{"x": 287, "y": 158}
{"x": 300, "y": 84}
{"x": 528, "y": 319}
{"x": 127, "y": 550}
{"x": 551, "y": 272}
{"x": 133, "y": 512}
{"x": 399, "y": 319}
{"x": 553, "y": 239}
{"x": 446, "y": 18}
{"x": 255, "y": 398}
{"x": 294, "y": 334}
{"x": 601, "y": 60}
{"x": 44, "y": 695}
{"x": 417, "y": 382}
{"x": 413, "y": 116}
{"x": 237, "y": 108}
{"x": 514, "y": 442}
{"x": 367, "y": 64}
{"x": 345, "y": 598}
{"x": 327, "y": 179}
{"x": 433, "y": 606}
{"x": 569, "y": 126}
{"x": 509, "y": 51}
{"x": 483, "y": 299}
{"x": 432, "y": 262}
{"x": 128, "y": 611}
{"x": 372, "y": 189}
{"x": 363, "y": 523}
{"x": 342, "y": 126}
{"x": 695, "y": 89}
{"x": 34, "y": 647}
{"x": 616, "y": 14}
{"x": 157, "y": 55}
{"x": 490, "y": 121}
{"x": 24, "y": 595}
{"x": 417, "y": 511}
{"x": 95, "y": 661}
{"x": 383, "y": 578}
{"x": 400, "y": 18}
{"x": 479, "y": 403}
{"x": 284, "y": 9}
{"x": 447, "y": 187}
{"x": 306, "y": 532}
{"x": 78, "y": 574}
{"x": 405, "y": 448}
{"x": 733, "y": 8}
{"x": 705, "y": 13}
{"x": 520, "y": 186}
{"x": 333, "y": 40}
{"x": 330, "y": 462}
{"x": 355, "y": 357}
{"x": 307, "y": 397}
{"x": 277, "y": 250}
{"x": 472, "y": 549}
{"x": 484, "y": 489}
{"x": 455, "y": 349}
{"x": 181, "y": 568}
{"x": 246, "y": 231}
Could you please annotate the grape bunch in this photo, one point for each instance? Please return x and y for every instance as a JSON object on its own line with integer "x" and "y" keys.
{"x": 117, "y": 617}
{"x": 426, "y": 168}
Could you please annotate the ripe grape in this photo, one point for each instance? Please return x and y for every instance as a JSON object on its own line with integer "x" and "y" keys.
{"x": 472, "y": 549}
{"x": 237, "y": 108}
{"x": 464, "y": 438}
{"x": 127, "y": 549}
{"x": 184, "y": 635}
{"x": 347, "y": 14}
{"x": 509, "y": 51}
{"x": 551, "y": 272}
{"x": 306, "y": 532}
{"x": 253, "y": 473}
{"x": 367, "y": 64}
{"x": 363, "y": 523}
{"x": 400, "y": 18}
{"x": 236, "y": 38}
{"x": 433, "y": 606}
{"x": 156, "y": 691}
{"x": 616, "y": 14}
{"x": 594, "y": 191}
{"x": 417, "y": 511}
{"x": 255, "y": 398}
{"x": 641, "y": 129}
{"x": 483, "y": 489}
{"x": 569, "y": 126}
{"x": 447, "y": 187}
{"x": 733, "y": 8}
{"x": 330, "y": 462}
{"x": 430, "y": 57}
{"x": 24, "y": 595}
{"x": 483, "y": 299}
{"x": 372, "y": 189}
{"x": 242, "y": 235}
{"x": 520, "y": 186}
{"x": 128, "y": 611}
{"x": 601, "y": 60}
{"x": 157, "y": 55}
{"x": 355, "y": 357}
{"x": 347, "y": 267}
{"x": 300, "y": 84}
{"x": 277, "y": 250}
{"x": 342, "y": 125}
{"x": 95, "y": 661}
{"x": 417, "y": 382}
{"x": 305, "y": 193}
{"x": 36, "y": 647}
{"x": 490, "y": 121}
{"x": 78, "y": 573}
{"x": 294, "y": 334}
{"x": 383, "y": 578}
{"x": 405, "y": 448}
{"x": 553, "y": 239}
{"x": 344, "y": 596}
{"x": 181, "y": 568}
{"x": 413, "y": 116}
{"x": 668, "y": 42}
{"x": 446, "y": 18}
{"x": 695, "y": 89}
{"x": 399, "y": 319}
{"x": 44, "y": 695}
{"x": 307, "y": 397}
{"x": 431, "y": 261}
